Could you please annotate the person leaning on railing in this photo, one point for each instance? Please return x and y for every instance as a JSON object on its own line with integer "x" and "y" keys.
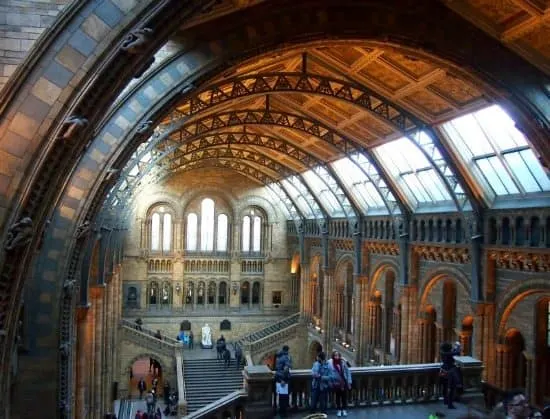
{"x": 448, "y": 373}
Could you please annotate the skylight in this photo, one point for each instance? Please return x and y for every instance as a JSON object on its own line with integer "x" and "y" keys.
{"x": 358, "y": 184}
{"x": 497, "y": 152}
{"x": 411, "y": 169}
{"x": 298, "y": 199}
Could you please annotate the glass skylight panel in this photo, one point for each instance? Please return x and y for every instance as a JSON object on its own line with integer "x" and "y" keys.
{"x": 498, "y": 152}
{"x": 278, "y": 195}
{"x": 326, "y": 196}
{"x": 358, "y": 183}
{"x": 410, "y": 167}
{"x": 298, "y": 199}
{"x": 306, "y": 194}
{"x": 134, "y": 171}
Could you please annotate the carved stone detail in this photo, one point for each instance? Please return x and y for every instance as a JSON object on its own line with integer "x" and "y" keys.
{"x": 65, "y": 350}
{"x": 72, "y": 125}
{"x": 145, "y": 128}
{"x": 20, "y": 234}
{"x": 343, "y": 244}
{"x": 83, "y": 230}
{"x": 443, "y": 254}
{"x": 69, "y": 286}
{"x": 521, "y": 261}
{"x": 136, "y": 41}
{"x": 384, "y": 248}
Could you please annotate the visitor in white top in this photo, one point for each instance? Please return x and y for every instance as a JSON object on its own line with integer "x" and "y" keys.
{"x": 282, "y": 391}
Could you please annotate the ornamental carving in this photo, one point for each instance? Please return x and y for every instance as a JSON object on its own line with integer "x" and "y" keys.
{"x": 136, "y": 41}
{"x": 20, "y": 234}
{"x": 521, "y": 261}
{"x": 443, "y": 254}
{"x": 343, "y": 244}
{"x": 383, "y": 248}
{"x": 72, "y": 125}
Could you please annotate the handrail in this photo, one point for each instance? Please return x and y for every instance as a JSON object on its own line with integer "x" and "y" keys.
{"x": 182, "y": 392}
{"x": 273, "y": 338}
{"x": 149, "y": 332}
{"x": 220, "y": 404}
{"x": 166, "y": 347}
{"x": 248, "y": 338}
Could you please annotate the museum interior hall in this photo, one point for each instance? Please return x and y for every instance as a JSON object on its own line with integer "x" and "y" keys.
{"x": 353, "y": 175}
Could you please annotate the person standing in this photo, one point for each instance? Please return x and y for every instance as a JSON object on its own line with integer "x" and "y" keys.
{"x": 448, "y": 373}
{"x": 340, "y": 377}
{"x": 226, "y": 358}
{"x": 517, "y": 405}
{"x": 191, "y": 338}
{"x": 141, "y": 387}
{"x": 320, "y": 383}
{"x": 282, "y": 391}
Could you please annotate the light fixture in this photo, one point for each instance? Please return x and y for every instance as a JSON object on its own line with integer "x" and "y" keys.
{"x": 178, "y": 289}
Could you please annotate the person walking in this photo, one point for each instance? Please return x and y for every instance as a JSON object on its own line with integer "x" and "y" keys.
{"x": 191, "y": 338}
{"x": 282, "y": 392}
{"x": 238, "y": 356}
{"x": 320, "y": 383}
{"x": 141, "y": 387}
{"x": 340, "y": 377}
{"x": 226, "y": 358}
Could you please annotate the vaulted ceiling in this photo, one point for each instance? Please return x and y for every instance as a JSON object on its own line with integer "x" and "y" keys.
{"x": 282, "y": 113}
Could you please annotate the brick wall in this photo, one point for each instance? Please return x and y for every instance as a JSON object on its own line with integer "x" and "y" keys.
{"x": 21, "y": 23}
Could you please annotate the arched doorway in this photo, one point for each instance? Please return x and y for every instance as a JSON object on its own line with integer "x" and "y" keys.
{"x": 147, "y": 367}
{"x": 514, "y": 376}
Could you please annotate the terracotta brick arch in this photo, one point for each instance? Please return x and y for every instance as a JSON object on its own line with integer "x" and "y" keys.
{"x": 380, "y": 268}
{"x": 163, "y": 366}
{"x": 438, "y": 274}
{"x": 513, "y": 295}
{"x": 342, "y": 262}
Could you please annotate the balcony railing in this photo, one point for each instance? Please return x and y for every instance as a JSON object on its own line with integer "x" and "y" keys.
{"x": 146, "y": 338}
{"x": 372, "y": 386}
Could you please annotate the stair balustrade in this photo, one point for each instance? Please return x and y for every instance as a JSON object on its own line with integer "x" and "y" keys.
{"x": 146, "y": 338}
{"x": 268, "y": 330}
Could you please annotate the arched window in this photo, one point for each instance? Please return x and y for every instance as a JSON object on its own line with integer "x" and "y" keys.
{"x": 191, "y": 239}
{"x": 207, "y": 225}
{"x": 155, "y": 231}
{"x": 161, "y": 230}
{"x": 246, "y": 233}
{"x": 252, "y": 233}
{"x": 257, "y": 234}
{"x": 167, "y": 232}
{"x": 222, "y": 296}
{"x": 221, "y": 240}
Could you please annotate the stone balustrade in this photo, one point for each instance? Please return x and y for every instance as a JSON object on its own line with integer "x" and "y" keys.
{"x": 146, "y": 338}
{"x": 372, "y": 386}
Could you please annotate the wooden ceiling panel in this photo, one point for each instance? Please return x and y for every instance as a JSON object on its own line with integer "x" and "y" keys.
{"x": 346, "y": 55}
{"x": 539, "y": 39}
{"x": 343, "y": 108}
{"x": 412, "y": 65}
{"x": 499, "y": 11}
{"x": 382, "y": 75}
{"x": 430, "y": 103}
{"x": 457, "y": 90}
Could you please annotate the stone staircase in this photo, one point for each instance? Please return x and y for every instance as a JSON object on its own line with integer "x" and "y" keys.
{"x": 207, "y": 380}
{"x": 147, "y": 340}
{"x": 269, "y": 330}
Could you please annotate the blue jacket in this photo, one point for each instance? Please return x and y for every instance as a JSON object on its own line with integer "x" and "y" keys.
{"x": 335, "y": 377}
{"x": 321, "y": 376}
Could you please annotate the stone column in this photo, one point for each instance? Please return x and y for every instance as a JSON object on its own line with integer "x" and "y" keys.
{"x": 360, "y": 288}
{"x": 483, "y": 339}
{"x": 530, "y": 376}
{"x": 305, "y": 296}
{"x": 408, "y": 331}
{"x": 328, "y": 320}
{"x": 83, "y": 341}
{"x": 439, "y": 338}
{"x": 98, "y": 293}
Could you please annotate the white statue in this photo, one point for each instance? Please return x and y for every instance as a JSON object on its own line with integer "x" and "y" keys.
{"x": 206, "y": 336}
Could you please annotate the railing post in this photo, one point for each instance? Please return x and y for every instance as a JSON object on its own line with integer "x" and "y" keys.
{"x": 472, "y": 370}
{"x": 259, "y": 386}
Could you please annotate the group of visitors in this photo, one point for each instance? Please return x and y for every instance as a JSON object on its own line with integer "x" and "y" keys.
{"x": 187, "y": 338}
{"x": 224, "y": 354}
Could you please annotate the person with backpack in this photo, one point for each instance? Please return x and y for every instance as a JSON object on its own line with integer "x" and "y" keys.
{"x": 283, "y": 364}
{"x": 320, "y": 383}
{"x": 340, "y": 377}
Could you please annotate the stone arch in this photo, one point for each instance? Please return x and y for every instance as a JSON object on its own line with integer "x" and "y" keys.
{"x": 158, "y": 199}
{"x": 379, "y": 269}
{"x": 514, "y": 294}
{"x": 191, "y": 197}
{"x": 263, "y": 204}
{"x": 437, "y": 274}
{"x": 163, "y": 365}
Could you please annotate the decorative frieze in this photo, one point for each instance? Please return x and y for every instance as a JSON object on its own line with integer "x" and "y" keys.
{"x": 383, "y": 248}
{"x": 443, "y": 254}
{"x": 521, "y": 261}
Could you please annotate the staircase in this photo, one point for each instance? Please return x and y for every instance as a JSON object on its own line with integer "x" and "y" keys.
{"x": 269, "y": 330}
{"x": 146, "y": 339}
{"x": 207, "y": 380}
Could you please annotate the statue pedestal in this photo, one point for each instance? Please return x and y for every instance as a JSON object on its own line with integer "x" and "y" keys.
{"x": 203, "y": 346}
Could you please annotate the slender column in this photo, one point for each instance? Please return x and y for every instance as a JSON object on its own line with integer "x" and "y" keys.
{"x": 530, "y": 376}
{"x": 98, "y": 293}
{"x": 408, "y": 343}
{"x": 305, "y": 291}
{"x": 439, "y": 338}
{"x": 328, "y": 319}
{"x": 83, "y": 348}
{"x": 360, "y": 284}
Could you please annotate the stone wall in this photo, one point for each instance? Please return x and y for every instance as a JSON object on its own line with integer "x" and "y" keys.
{"x": 21, "y": 23}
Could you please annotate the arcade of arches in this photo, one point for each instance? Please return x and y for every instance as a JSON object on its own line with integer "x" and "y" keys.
{"x": 381, "y": 169}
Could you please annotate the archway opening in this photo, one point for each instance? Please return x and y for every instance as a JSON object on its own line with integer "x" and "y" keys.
{"x": 515, "y": 373}
{"x": 148, "y": 369}
{"x": 314, "y": 349}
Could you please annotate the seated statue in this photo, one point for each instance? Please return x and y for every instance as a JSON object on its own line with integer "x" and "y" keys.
{"x": 206, "y": 336}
